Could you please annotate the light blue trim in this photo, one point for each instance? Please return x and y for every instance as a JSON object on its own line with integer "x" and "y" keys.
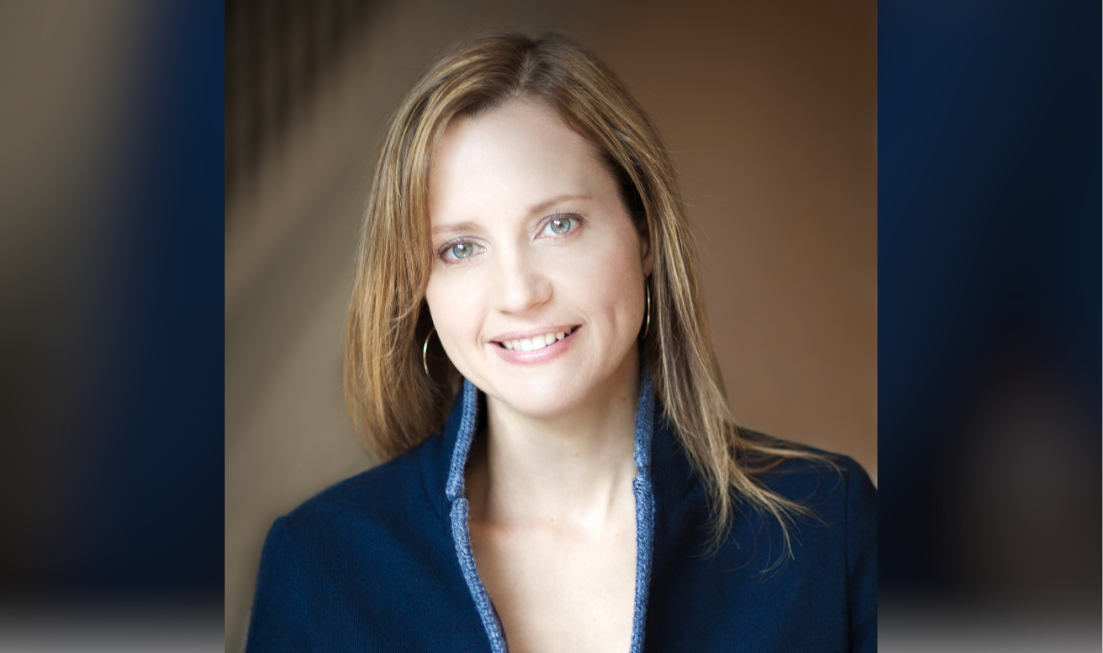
{"x": 645, "y": 509}
{"x": 641, "y": 490}
{"x": 454, "y": 490}
{"x": 464, "y": 435}
{"x": 645, "y": 414}
{"x": 483, "y": 605}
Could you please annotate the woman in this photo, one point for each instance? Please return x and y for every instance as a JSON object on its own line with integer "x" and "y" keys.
{"x": 526, "y": 261}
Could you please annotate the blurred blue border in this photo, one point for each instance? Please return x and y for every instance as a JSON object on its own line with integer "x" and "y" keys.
{"x": 988, "y": 238}
{"x": 158, "y": 524}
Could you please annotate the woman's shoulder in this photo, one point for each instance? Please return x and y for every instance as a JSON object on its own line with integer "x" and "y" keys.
{"x": 837, "y": 538}
{"x": 347, "y": 568}
{"x": 823, "y": 481}
{"x": 392, "y": 495}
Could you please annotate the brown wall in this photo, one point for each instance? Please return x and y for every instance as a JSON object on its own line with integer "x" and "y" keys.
{"x": 769, "y": 109}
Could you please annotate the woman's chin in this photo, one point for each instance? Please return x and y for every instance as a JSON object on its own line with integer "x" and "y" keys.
{"x": 551, "y": 398}
{"x": 541, "y": 403}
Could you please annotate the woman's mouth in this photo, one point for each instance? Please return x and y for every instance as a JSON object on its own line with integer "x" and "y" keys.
{"x": 536, "y": 342}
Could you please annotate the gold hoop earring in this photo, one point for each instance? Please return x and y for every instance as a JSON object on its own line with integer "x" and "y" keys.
{"x": 647, "y": 321}
{"x": 425, "y": 363}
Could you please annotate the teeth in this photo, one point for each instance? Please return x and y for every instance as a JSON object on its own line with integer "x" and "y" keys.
{"x": 536, "y": 342}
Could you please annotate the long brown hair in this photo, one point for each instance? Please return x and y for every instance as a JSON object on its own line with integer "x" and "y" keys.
{"x": 394, "y": 405}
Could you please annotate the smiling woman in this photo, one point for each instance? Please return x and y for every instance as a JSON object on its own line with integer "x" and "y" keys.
{"x": 586, "y": 489}
{"x": 542, "y": 314}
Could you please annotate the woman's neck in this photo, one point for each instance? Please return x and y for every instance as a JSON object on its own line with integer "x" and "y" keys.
{"x": 574, "y": 470}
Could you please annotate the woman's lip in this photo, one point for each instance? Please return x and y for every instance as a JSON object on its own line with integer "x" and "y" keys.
{"x": 541, "y": 355}
{"x": 531, "y": 333}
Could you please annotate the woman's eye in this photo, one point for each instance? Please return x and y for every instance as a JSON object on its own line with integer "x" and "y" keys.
{"x": 461, "y": 250}
{"x": 561, "y": 225}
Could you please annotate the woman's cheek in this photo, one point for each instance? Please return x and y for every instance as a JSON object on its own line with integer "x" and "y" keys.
{"x": 619, "y": 267}
{"x": 454, "y": 304}
{"x": 440, "y": 309}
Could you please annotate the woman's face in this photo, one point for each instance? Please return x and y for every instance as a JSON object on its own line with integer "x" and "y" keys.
{"x": 537, "y": 285}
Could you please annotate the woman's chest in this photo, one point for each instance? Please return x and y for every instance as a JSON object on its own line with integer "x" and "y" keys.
{"x": 559, "y": 589}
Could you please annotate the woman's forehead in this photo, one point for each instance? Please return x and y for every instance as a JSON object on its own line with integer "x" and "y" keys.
{"x": 518, "y": 155}
{"x": 523, "y": 129}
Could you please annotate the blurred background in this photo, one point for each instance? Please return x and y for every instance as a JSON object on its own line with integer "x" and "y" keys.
{"x": 769, "y": 109}
{"x": 111, "y": 325}
{"x": 989, "y": 323}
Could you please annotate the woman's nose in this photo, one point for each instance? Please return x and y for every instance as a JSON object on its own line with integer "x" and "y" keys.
{"x": 521, "y": 283}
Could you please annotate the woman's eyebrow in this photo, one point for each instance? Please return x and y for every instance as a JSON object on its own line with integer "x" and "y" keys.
{"x": 545, "y": 205}
{"x": 455, "y": 227}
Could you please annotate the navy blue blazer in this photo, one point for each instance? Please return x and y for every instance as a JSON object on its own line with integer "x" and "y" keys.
{"x": 383, "y": 562}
